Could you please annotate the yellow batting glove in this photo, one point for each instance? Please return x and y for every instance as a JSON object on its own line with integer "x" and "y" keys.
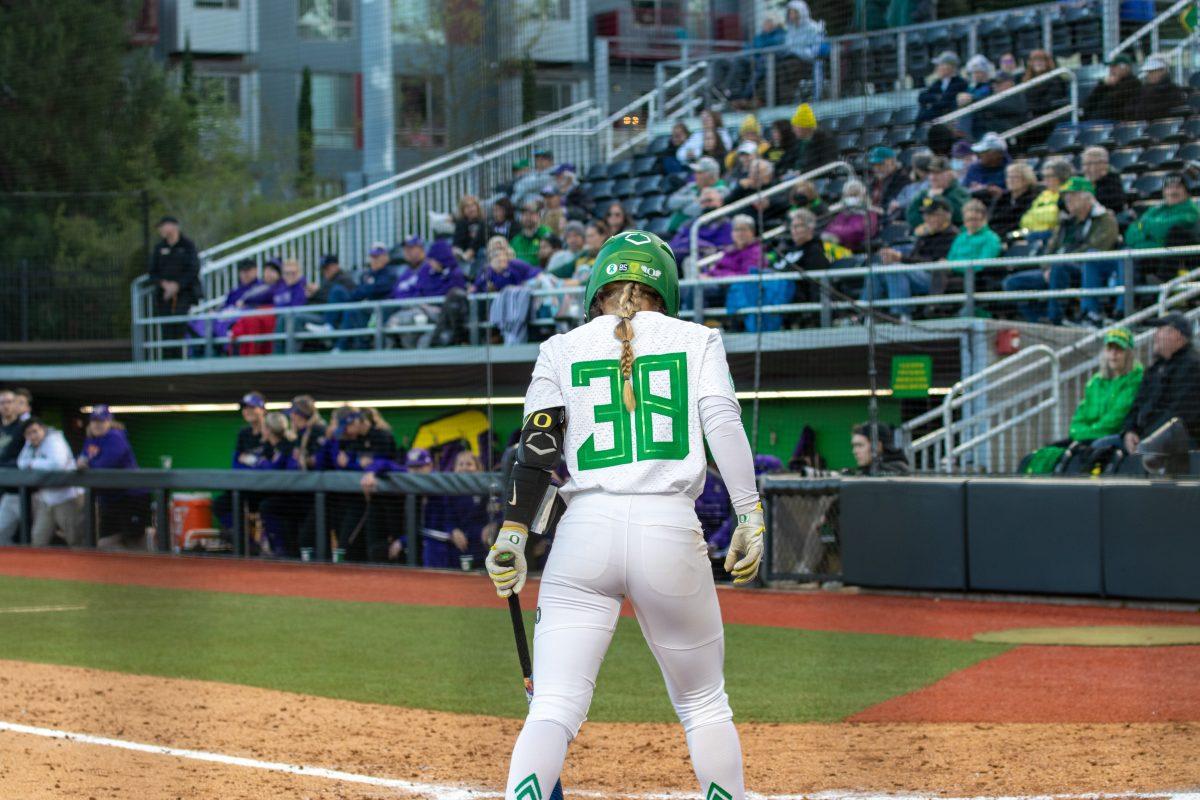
{"x": 746, "y": 546}
{"x": 506, "y": 560}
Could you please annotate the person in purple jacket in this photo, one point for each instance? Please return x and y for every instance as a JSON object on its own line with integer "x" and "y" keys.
{"x": 247, "y": 275}
{"x": 503, "y": 268}
{"x": 291, "y": 292}
{"x": 741, "y": 256}
{"x": 122, "y": 514}
{"x": 452, "y": 535}
{"x": 439, "y": 277}
{"x": 713, "y": 235}
{"x": 281, "y": 513}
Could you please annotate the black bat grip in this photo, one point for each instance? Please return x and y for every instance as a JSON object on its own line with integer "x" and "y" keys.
{"x": 518, "y": 623}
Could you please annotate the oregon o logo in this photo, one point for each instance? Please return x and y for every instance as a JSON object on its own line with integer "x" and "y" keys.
{"x": 541, "y": 420}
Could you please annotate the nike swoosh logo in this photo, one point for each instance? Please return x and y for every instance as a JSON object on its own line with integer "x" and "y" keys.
{"x": 513, "y": 501}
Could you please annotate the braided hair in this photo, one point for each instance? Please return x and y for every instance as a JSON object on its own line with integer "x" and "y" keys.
{"x": 629, "y": 297}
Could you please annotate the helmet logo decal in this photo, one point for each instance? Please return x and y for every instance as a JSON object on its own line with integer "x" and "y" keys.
{"x": 636, "y": 237}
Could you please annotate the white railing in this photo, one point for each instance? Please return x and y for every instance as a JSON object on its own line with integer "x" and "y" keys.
{"x": 991, "y": 419}
{"x": 1054, "y": 74}
{"x": 1151, "y": 28}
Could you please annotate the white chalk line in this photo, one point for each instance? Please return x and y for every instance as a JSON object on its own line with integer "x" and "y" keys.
{"x": 439, "y": 791}
{"x": 40, "y": 609}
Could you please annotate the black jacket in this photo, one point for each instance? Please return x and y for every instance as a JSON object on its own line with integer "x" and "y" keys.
{"x": 885, "y": 191}
{"x": 1158, "y": 100}
{"x": 1007, "y": 211}
{"x": 470, "y": 234}
{"x": 250, "y": 442}
{"x": 1110, "y": 193}
{"x": 322, "y": 294}
{"x": 801, "y": 258}
{"x": 933, "y": 247}
{"x": 1045, "y": 97}
{"x": 936, "y": 101}
{"x": 1170, "y": 388}
{"x": 12, "y": 439}
{"x": 1115, "y": 103}
{"x": 819, "y": 150}
{"x": 578, "y": 204}
{"x": 180, "y": 263}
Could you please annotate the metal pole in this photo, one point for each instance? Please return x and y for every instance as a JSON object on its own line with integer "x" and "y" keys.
{"x": 1129, "y": 274}
{"x": 410, "y": 526}
{"x": 835, "y": 69}
{"x": 378, "y": 326}
{"x": 603, "y": 84}
{"x": 1074, "y": 99}
{"x": 239, "y": 544}
{"x": 89, "y": 515}
{"x": 969, "y": 290}
{"x": 770, "y": 78}
{"x": 23, "y": 283}
{"x": 901, "y": 61}
{"x": 322, "y": 538}
{"x": 26, "y": 515}
{"x": 289, "y": 328}
{"x": 162, "y": 521}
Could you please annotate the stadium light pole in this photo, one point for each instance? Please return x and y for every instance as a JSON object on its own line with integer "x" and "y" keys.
{"x": 378, "y": 112}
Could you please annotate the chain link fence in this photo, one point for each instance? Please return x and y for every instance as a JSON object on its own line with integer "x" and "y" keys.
{"x": 802, "y": 529}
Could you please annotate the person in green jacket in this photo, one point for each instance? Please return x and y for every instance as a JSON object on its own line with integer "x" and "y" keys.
{"x": 1107, "y": 399}
{"x": 942, "y": 181}
{"x": 528, "y": 237}
{"x": 1177, "y": 213}
{"x": 976, "y": 240}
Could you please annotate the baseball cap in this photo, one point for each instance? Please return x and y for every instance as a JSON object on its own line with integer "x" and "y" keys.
{"x": 1077, "y": 183}
{"x": 165, "y": 219}
{"x": 441, "y": 251}
{"x": 990, "y": 141}
{"x": 1123, "y": 58}
{"x": 328, "y": 259}
{"x": 1152, "y": 63}
{"x": 542, "y": 152}
{"x": 521, "y": 163}
{"x": 1173, "y": 320}
{"x": 378, "y": 249}
{"x": 947, "y": 57}
{"x": 961, "y": 149}
{"x": 247, "y": 263}
{"x": 413, "y": 240}
{"x": 297, "y": 410}
{"x": 353, "y": 416}
{"x": 100, "y": 413}
{"x": 549, "y": 189}
{"x": 749, "y": 148}
{"x": 274, "y": 261}
{"x": 253, "y": 400}
{"x": 1121, "y": 337}
{"x": 566, "y": 166}
{"x": 706, "y": 164}
{"x": 932, "y": 204}
{"x": 880, "y": 154}
{"x": 1173, "y": 178}
{"x": 418, "y": 457}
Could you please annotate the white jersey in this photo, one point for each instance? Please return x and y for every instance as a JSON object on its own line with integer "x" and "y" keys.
{"x": 659, "y": 448}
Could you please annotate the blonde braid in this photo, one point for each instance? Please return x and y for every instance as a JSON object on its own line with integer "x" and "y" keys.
{"x": 624, "y": 333}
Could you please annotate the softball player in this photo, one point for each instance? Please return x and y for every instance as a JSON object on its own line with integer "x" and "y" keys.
{"x": 626, "y": 399}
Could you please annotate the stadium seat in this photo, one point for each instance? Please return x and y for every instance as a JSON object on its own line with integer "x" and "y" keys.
{"x": 625, "y": 187}
{"x": 995, "y": 37}
{"x": 597, "y": 172}
{"x": 660, "y": 226}
{"x": 1192, "y": 128}
{"x": 832, "y": 190}
{"x": 660, "y": 145}
{"x": 1129, "y": 133}
{"x": 902, "y": 135}
{"x": 1189, "y": 152}
{"x": 878, "y": 119}
{"x": 1194, "y": 80}
{"x": 645, "y": 165}
{"x": 1095, "y": 135}
{"x": 1028, "y": 34}
{"x": 620, "y": 169}
{"x": 873, "y": 137}
{"x": 1160, "y": 157}
{"x": 1061, "y": 140}
{"x": 1125, "y": 159}
{"x": 654, "y": 184}
{"x": 1023, "y": 249}
{"x": 896, "y": 233}
{"x": 602, "y": 190}
{"x": 1148, "y": 186}
{"x": 1166, "y": 130}
{"x": 653, "y": 206}
{"x": 905, "y": 116}
{"x": 849, "y": 142}
{"x": 1194, "y": 102}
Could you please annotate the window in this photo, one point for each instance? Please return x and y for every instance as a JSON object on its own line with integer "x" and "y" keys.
{"x": 551, "y": 9}
{"x": 334, "y": 119}
{"x": 215, "y": 3}
{"x": 418, "y": 21}
{"x": 551, "y": 96}
{"x": 220, "y": 91}
{"x": 420, "y": 112}
{"x": 331, "y": 20}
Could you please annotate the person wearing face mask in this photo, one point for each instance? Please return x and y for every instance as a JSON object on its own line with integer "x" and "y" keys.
{"x": 943, "y": 184}
{"x": 854, "y": 221}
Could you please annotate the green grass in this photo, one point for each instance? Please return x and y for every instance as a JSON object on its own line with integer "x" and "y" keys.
{"x": 448, "y": 659}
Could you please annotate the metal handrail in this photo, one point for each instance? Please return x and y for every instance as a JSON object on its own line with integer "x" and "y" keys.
{"x": 1150, "y": 27}
{"x": 1060, "y": 72}
{"x": 447, "y": 158}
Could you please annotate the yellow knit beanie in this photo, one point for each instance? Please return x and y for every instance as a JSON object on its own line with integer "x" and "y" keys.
{"x": 804, "y": 117}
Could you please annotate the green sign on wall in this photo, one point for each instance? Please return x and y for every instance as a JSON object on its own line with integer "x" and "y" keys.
{"x": 911, "y": 376}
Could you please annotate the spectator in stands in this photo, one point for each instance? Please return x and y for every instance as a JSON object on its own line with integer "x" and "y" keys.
{"x": 175, "y": 275}
{"x": 1158, "y": 97}
{"x": 290, "y": 292}
{"x": 504, "y": 269}
{"x": 15, "y": 413}
{"x": 713, "y": 147}
{"x": 934, "y": 238}
{"x": 549, "y": 247}
{"x": 981, "y": 72}
{"x": 1042, "y": 218}
{"x": 685, "y": 201}
{"x": 1047, "y": 96}
{"x": 695, "y": 147}
{"x": 887, "y": 178}
{"x": 801, "y": 251}
{"x": 377, "y": 282}
{"x": 679, "y": 135}
{"x": 1170, "y": 387}
{"x": 745, "y": 155}
{"x": 1114, "y": 99}
{"x": 336, "y": 287}
{"x": 806, "y": 195}
{"x": 976, "y": 240}
{"x": 562, "y": 263}
{"x": 760, "y": 175}
{"x": 310, "y": 430}
{"x": 741, "y": 256}
{"x": 470, "y": 231}
{"x": 818, "y": 146}
{"x": 962, "y": 158}
{"x": 554, "y": 216}
{"x": 854, "y": 221}
{"x": 940, "y": 140}
{"x": 520, "y": 169}
{"x": 55, "y": 511}
{"x": 1008, "y": 63}
{"x": 281, "y": 513}
{"x": 576, "y": 201}
{"x": 784, "y": 152}
{"x": 748, "y": 132}
{"x": 248, "y": 283}
{"x": 737, "y": 78}
{"x": 502, "y": 223}
{"x": 1004, "y": 114}
{"x": 1171, "y": 224}
{"x": 1087, "y": 227}
{"x": 987, "y": 175}
{"x": 1101, "y": 413}
{"x": 528, "y": 187}
{"x": 713, "y": 235}
{"x": 918, "y": 182}
{"x": 1109, "y": 190}
{"x": 884, "y": 459}
{"x": 616, "y": 218}
{"x": 595, "y": 234}
{"x": 940, "y": 97}
{"x": 1021, "y": 188}
{"x": 460, "y": 518}
{"x": 439, "y": 278}
{"x": 526, "y": 239}
{"x": 122, "y": 514}
{"x": 943, "y": 184}
{"x": 804, "y": 44}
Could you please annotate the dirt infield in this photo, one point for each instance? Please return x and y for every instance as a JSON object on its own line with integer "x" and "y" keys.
{"x": 818, "y": 611}
{"x": 443, "y": 749}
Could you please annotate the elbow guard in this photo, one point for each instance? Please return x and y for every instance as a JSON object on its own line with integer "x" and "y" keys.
{"x": 538, "y": 450}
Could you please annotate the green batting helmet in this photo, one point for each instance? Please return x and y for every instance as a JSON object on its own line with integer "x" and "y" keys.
{"x": 636, "y": 256}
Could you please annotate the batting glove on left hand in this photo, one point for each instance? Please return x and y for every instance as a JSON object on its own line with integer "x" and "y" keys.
{"x": 506, "y": 561}
{"x": 746, "y": 546}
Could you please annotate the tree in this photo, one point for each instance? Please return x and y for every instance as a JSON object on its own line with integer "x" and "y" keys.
{"x": 305, "y": 161}
{"x": 528, "y": 89}
{"x": 187, "y": 73}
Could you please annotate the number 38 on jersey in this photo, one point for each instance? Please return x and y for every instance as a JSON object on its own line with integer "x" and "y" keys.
{"x": 659, "y": 424}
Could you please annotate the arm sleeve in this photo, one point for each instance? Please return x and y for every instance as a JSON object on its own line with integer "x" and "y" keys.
{"x": 721, "y": 421}
{"x": 544, "y": 390}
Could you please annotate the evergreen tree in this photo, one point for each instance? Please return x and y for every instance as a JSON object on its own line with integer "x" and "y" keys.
{"x": 528, "y": 89}
{"x": 305, "y": 159}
